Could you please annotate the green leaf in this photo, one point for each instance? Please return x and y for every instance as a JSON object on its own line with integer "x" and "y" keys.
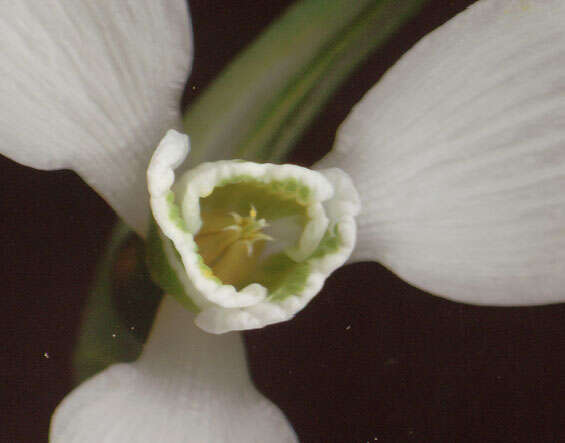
{"x": 262, "y": 102}
{"x": 299, "y": 104}
{"x": 223, "y": 115}
{"x": 120, "y": 308}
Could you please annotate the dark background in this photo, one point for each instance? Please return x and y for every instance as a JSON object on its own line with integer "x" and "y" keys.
{"x": 370, "y": 359}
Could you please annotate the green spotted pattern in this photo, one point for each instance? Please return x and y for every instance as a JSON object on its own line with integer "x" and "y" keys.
{"x": 286, "y": 189}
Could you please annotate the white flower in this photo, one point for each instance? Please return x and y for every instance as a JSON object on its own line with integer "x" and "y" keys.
{"x": 247, "y": 271}
{"x": 458, "y": 154}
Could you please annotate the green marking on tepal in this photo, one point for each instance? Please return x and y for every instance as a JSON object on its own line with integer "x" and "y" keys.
{"x": 174, "y": 212}
{"x": 282, "y": 276}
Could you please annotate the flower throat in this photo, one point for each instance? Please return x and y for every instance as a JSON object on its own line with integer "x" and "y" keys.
{"x": 231, "y": 245}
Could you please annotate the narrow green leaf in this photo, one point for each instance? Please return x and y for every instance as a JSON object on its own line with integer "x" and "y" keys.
{"x": 262, "y": 102}
{"x": 227, "y": 111}
{"x": 298, "y": 105}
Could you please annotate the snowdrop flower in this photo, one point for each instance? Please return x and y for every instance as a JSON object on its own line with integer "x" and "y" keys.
{"x": 459, "y": 158}
{"x": 242, "y": 243}
{"x": 93, "y": 86}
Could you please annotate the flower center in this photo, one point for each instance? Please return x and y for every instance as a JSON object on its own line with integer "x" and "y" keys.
{"x": 231, "y": 245}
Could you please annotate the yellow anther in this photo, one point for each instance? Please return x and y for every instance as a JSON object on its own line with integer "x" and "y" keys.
{"x": 230, "y": 244}
{"x": 253, "y": 212}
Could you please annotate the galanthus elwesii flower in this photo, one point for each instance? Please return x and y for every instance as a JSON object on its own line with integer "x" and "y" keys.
{"x": 459, "y": 158}
{"x": 246, "y": 244}
{"x": 94, "y": 86}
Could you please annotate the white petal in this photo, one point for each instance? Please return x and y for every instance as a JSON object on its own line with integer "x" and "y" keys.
{"x": 459, "y": 156}
{"x": 188, "y": 386}
{"x": 93, "y": 86}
